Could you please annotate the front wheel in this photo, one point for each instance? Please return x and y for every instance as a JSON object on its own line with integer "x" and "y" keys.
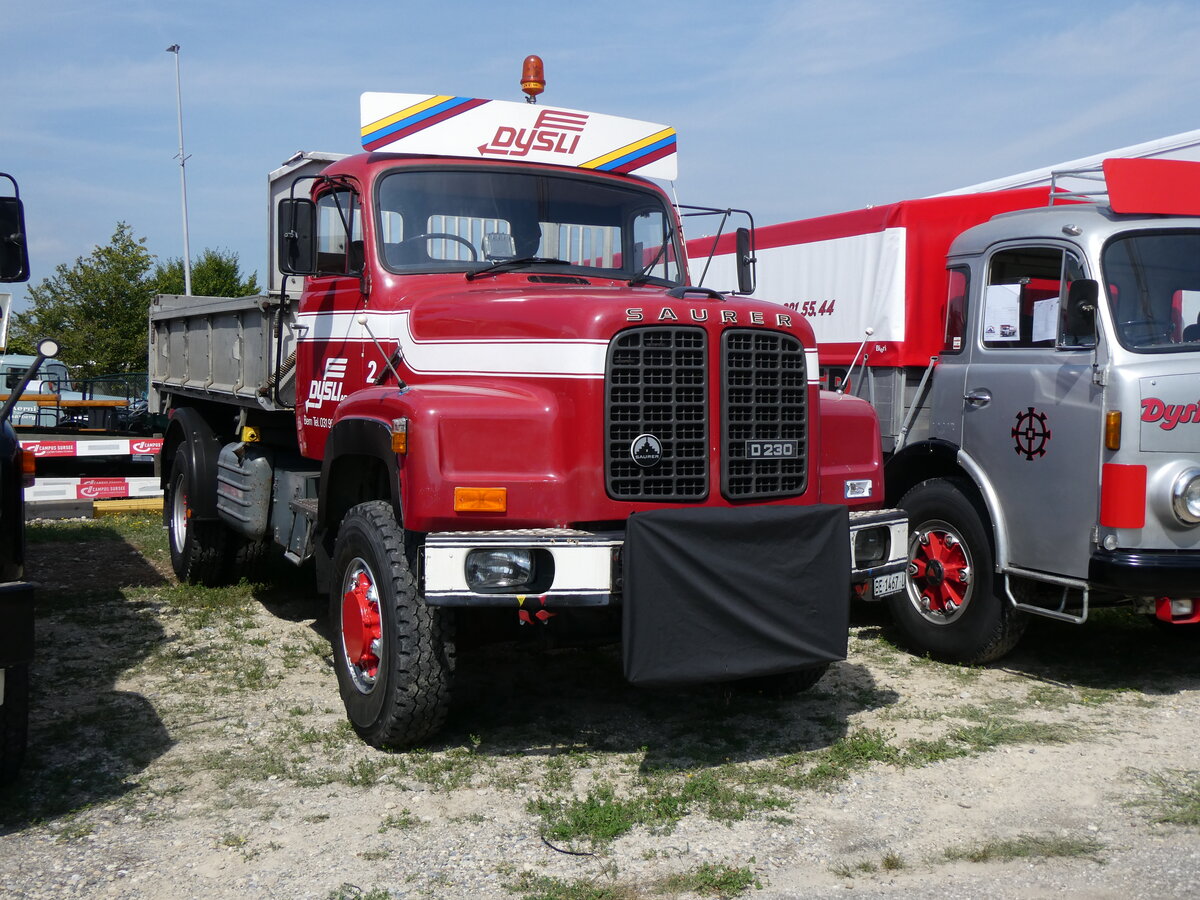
{"x": 950, "y": 608}
{"x": 394, "y": 655}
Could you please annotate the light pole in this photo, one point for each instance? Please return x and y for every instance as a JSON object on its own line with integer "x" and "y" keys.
{"x": 187, "y": 253}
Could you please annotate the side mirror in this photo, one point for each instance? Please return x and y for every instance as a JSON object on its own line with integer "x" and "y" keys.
{"x": 745, "y": 260}
{"x": 297, "y": 237}
{"x": 1078, "y": 327}
{"x": 14, "y": 254}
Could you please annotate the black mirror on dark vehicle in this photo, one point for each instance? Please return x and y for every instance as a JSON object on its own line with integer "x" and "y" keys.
{"x": 297, "y": 237}
{"x": 745, "y": 261}
{"x": 14, "y": 254}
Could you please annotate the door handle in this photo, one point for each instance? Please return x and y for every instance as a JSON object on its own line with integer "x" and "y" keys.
{"x": 978, "y": 397}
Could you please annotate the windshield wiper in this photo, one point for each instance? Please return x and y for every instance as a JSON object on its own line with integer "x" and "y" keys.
{"x": 645, "y": 276}
{"x": 507, "y": 265}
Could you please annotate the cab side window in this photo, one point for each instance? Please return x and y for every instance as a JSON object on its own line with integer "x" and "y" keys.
{"x": 1026, "y": 287}
{"x": 339, "y": 233}
{"x": 956, "y": 309}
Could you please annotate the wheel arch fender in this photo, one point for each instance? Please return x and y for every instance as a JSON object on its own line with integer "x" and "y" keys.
{"x": 942, "y": 459}
{"x": 190, "y": 432}
{"x": 359, "y": 465}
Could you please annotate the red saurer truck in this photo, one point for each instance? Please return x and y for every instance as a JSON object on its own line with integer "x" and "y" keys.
{"x": 497, "y": 400}
{"x": 1034, "y": 357}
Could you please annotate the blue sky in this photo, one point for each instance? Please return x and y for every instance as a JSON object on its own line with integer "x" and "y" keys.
{"x": 790, "y": 109}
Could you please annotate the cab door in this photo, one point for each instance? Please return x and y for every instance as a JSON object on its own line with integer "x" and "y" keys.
{"x": 1031, "y": 416}
{"x": 329, "y": 355}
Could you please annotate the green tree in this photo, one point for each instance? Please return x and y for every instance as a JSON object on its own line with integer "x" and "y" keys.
{"x": 216, "y": 273}
{"x": 97, "y": 308}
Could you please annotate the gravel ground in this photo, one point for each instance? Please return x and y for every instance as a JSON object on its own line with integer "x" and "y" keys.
{"x": 191, "y": 744}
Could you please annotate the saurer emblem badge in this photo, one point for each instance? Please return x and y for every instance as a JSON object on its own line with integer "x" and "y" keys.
{"x": 646, "y": 451}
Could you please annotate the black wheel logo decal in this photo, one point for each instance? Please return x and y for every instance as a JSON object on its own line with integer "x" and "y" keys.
{"x": 1031, "y": 433}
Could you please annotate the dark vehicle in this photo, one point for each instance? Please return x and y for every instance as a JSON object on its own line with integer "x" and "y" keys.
{"x": 16, "y": 594}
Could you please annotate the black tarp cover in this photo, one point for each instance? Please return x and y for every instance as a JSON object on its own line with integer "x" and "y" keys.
{"x": 721, "y": 594}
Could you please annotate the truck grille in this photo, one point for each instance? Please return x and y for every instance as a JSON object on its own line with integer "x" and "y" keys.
{"x": 656, "y": 385}
{"x": 765, "y": 400}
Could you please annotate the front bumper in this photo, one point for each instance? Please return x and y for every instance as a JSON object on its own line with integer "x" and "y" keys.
{"x": 1146, "y": 573}
{"x": 587, "y": 566}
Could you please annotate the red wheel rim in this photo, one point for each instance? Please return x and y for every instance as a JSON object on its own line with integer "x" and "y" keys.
{"x": 362, "y": 632}
{"x": 940, "y": 573}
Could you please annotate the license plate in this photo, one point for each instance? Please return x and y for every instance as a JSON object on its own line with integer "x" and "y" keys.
{"x": 772, "y": 449}
{"x": 889, "y": 584}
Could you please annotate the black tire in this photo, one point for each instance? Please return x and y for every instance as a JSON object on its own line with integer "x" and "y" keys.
{"x": 14, "y": 721}
{"x": 198, "y": 549}
{"x": 787, "y": 684}
{"x": 394, "y": 656}
{"x": 950, "y": 608}
{"x": 246, "y": 558}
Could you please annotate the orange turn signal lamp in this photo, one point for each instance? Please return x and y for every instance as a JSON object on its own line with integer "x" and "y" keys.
{"x": 468, "y": 499}
{"x": 400, "y": 436}
{"x": 1112, "y": 430}
{"x": 28, "y": 467}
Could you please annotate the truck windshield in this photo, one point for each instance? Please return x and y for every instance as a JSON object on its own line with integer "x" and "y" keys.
{"x": 1153, "y": 281}
{"x": 467, "y": 220}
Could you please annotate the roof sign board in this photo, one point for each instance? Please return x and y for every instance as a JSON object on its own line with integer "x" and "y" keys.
{"x": 1164, "y": 186}
{"x": 443, "y": 125}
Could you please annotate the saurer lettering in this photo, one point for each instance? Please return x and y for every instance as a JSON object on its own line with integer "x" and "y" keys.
{"x": 1168, "y": 415}
{"x": 727, "y": 316}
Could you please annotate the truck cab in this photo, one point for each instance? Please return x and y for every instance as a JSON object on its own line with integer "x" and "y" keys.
{"x": 1080, "y": 353}
{"x": 495, "y": 393}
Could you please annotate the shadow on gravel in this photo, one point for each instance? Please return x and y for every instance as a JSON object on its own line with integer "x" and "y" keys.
{"x": 522, "y": 701}
{"x": 1115, "y": 650}
{"x": 86, "y": 738}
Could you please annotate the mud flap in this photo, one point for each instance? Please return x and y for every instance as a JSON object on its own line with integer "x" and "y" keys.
{"x": 723, "y": 594}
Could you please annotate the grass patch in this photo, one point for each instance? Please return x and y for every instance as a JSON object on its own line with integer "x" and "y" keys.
{"x": 1027, "y": 846}
{"x": 709, "y": 880}
{"x": 401, "y": 821}
{"x": 1176, "y": 799}
{"x": 995, "y": 732}
{"x": 601, "y": 816}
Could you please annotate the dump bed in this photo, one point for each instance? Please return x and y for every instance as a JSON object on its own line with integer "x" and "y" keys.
{"x": 221, "y": 348}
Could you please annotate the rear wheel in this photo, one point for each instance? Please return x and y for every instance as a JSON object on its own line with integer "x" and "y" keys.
{"x": 198, "y": 549}
{"x": 950, "y": 608}
{"x": 14, "y": 721}
{"x": 394, "y": 655}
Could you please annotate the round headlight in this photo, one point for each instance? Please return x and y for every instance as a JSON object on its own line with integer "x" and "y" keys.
{"x": 1185, "y": 496}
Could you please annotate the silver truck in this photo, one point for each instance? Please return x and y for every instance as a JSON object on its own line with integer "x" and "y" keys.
{"x": 1034, "y": 357}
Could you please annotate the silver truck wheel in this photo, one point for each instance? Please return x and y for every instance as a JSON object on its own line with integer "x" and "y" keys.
{"x": 394, "y": 656}
{"x": 950, "y": 608}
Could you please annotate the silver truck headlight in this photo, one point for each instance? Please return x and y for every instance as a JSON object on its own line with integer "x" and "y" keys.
{"x": 1185, "y": 496}
{"x": 504, "y": 570}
